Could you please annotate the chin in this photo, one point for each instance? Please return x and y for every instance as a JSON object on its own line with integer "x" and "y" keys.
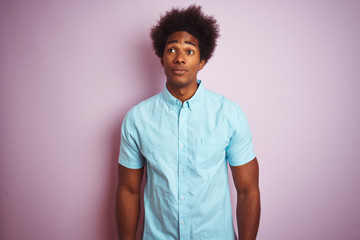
{"x": 180, "y": 82}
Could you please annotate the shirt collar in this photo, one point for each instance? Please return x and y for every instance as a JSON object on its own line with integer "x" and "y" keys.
{"x": 192, "y": 103}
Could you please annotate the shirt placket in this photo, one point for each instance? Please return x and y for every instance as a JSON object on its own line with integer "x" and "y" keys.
{"x": 182, "y": 196}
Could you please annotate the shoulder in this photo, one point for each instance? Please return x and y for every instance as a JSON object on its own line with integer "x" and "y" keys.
{"x": 141, "y": 109}
{"x": 225, "y": 104}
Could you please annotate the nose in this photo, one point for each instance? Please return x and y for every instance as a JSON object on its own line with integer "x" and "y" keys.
{"x": 180, "y": 59}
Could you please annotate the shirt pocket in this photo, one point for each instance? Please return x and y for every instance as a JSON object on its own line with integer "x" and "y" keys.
{"x": 210, "y": 151}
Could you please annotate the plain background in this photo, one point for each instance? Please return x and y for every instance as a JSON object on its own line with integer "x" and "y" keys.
{"x": 70, "y": 70}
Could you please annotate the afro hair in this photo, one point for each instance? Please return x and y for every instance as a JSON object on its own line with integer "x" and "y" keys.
{"x": 193, "y": 21}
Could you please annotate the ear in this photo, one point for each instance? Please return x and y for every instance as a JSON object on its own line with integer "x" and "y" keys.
{"x": 202, "y": 64}
{"x": 162, "y": 62}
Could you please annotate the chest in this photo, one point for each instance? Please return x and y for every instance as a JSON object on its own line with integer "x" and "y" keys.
{"x": 195, "y": 138}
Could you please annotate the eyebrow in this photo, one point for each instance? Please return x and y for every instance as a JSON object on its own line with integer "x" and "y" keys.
{"x": 176, "y": 41}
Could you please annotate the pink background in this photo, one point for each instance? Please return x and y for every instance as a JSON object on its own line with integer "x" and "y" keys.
{"x": 70, "y": 70}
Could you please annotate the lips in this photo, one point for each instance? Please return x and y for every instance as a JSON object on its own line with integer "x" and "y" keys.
{"x": 178, "y": 71}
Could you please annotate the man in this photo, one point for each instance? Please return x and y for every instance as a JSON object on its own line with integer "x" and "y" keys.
{"x": 186, "y": 135}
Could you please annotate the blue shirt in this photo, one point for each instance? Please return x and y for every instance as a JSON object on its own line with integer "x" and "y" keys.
{"x": 186, "y": 147}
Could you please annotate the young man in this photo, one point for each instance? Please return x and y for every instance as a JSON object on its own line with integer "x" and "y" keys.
{"x": 186, "y": 135}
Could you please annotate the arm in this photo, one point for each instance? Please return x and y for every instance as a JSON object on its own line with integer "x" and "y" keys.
{"x": 128, "y": 201}
{"x": 246, "y": 178}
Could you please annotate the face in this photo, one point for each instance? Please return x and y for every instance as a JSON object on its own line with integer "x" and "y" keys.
{"x": 181, "y": 59}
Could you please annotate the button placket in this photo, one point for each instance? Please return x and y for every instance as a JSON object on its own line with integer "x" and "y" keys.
{"x": 182, "y": 162}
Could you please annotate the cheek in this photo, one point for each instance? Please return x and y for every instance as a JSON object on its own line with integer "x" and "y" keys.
{"x": 195, "y": 66}
{"x": 166, "y": 62}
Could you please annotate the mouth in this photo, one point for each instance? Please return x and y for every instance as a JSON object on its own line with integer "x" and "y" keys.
{"x": 178, "y": 71}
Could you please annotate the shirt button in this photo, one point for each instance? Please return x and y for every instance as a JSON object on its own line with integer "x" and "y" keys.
{"x": 182, "y": 197}
{"x": 181, "y": 170}
{"x": 181, "y": 145}
{"x": 182, "y": 222}
{"x": 182, "y": 120}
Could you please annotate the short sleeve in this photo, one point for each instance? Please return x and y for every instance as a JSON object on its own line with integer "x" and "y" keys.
{"x": 240, "y": 148}
{"x": 130, "y": 155}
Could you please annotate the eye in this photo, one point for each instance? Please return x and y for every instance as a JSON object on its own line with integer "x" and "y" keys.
{"x": 190, "y": 52}
{"x": 171, "y": 50}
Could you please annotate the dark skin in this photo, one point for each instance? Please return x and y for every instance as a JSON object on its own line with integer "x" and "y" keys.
{"x": 181, "y": 62}
{"x": 128, "y": 201}
{"x": 246, "y": 180}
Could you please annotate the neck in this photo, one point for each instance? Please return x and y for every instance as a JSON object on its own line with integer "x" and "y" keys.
{"x": 182, "y": 93}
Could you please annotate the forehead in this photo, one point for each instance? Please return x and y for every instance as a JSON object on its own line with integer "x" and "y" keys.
{"x": 182, "y": 37}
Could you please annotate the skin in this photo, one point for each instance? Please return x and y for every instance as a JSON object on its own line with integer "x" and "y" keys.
{"x": 181, "y": 62}
{"x": 246, "y": 180}
{"x": 128, "y": 201}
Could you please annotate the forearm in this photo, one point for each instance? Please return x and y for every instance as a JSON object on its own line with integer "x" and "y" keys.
{"x": 127, "y": 214}
{"x": 248, "y": 214}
